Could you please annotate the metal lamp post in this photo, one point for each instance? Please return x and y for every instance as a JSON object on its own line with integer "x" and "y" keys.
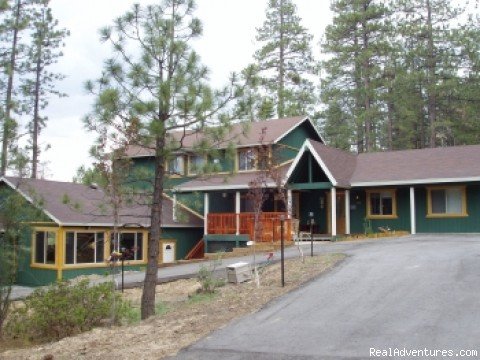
{"x": 312, "y": 222}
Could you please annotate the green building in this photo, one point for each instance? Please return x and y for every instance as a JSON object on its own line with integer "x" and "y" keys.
{"x": 208, "y": 204}
{"x": 74, "y": 235}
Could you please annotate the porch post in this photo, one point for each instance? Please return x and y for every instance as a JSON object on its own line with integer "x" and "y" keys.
{"x": 289, "y": 203}
{"x": 174, "y": 208}
{"x": 347, "y": 212}
{"x": 237, "y": 212}
{"x": 413, "y": 227}
{"x": 333, "y": 202}
{"x": 205, "y": 212}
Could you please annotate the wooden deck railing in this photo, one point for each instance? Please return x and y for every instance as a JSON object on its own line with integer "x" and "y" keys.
{"x": 268, "y": 227}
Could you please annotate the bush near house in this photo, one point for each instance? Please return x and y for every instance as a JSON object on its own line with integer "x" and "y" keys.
{"x": 65, "y": 309}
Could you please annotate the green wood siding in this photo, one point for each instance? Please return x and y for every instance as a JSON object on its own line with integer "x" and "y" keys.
{"x": 36, "y": 277}
{"x": 307, "y": 171}
{"x": 468, "y": 224}
{"x": 27, "y": 275}
{"x": 186, "y": 239}
{"x": 358, "y": 212}
{"x": 293, "y": 141}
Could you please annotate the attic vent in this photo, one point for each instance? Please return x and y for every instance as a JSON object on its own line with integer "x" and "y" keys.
{"x": 94, "y": 186}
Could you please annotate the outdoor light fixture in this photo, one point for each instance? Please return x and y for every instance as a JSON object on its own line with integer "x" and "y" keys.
{"x": 322, "y": 202}
{"x": 312, "y": 222}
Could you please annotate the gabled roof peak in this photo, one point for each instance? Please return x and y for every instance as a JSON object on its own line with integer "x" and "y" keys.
{"x": 241, "y": 134}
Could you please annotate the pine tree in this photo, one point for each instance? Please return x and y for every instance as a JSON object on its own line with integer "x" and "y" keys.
{"x": 154, "y": 84}
{"x": 15, "y": 20}
{"x": 43, "y": 52}
{"x": 432, "y": 59}
{"x": 285, "y": 62}
{"x": 355, "y": 46}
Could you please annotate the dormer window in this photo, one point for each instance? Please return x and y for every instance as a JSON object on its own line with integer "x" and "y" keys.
{"x": 247, "y": 159}
{"x": 176, "y": 166}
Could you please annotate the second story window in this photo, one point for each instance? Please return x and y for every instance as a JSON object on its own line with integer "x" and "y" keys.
{"x": 176, "y": 166}
{"x": 246, "y": 159}
{"x": 195, "y": 164}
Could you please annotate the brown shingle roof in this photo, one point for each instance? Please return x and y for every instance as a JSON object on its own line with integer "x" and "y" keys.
{"x": 89, "y": 206}
{"x": 447, "y": 164}
{"x": 422, "y": 165}
{"x": 341, "y": 164}
{"x": 240, "y": 134}
{"x": 238, "y": 180}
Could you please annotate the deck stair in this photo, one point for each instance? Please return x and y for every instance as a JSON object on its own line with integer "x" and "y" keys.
{"x": 197, "y": 252}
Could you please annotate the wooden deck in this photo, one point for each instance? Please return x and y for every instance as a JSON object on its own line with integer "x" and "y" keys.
{"x": 268, "y": 228}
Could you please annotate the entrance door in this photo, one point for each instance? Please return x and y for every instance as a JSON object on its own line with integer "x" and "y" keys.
{"x": 167, "y": 251}
{"x": 340, "y": 213}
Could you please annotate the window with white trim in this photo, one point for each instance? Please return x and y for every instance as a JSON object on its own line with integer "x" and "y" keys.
{"x": 446, "y": 201}
{"x": 247, "y": 159}
{"x": 129, "y": 243}
{"x": 44, "y": 247}
{"x": 84, "y": 247}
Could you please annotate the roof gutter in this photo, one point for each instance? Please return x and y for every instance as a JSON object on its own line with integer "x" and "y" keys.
{"x": 415, "y": 182}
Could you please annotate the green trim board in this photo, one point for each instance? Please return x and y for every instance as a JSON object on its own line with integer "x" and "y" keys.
{"x": 310, "y": 186}
{"x": 216, "y": 242}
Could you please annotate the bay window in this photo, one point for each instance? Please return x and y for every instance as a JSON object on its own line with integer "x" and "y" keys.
{"x": 84, "y": 247}
{"x": 129, "y": 243}
{"x": 44, "y": 247}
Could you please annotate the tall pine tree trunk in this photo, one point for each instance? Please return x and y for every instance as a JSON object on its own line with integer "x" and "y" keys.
{"x": 366, "y": 85}
{"x": 7, "y": 122}
{"x": 390, "y": 117}
{"x": 151, "y": 273}
{"x": 36, "y": 111}
{"x": 358, "y": 101}
{"x": 431, "y": 86}
{"x": 281, "y": 67}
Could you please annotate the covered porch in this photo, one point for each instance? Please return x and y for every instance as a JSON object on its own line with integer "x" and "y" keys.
{"x": 231, "y": 213}
{"x": 319, "y": 197}
{"x": 268, "y": 228}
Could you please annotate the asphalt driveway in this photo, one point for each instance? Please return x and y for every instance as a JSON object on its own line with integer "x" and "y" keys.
{"x": 412, "y": 293}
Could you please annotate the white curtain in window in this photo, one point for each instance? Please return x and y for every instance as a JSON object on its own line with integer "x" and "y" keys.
{"x": 454, "y": 201}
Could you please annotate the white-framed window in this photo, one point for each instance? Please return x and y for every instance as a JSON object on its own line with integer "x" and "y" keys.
{"x": 84, "y": 247}
{"x": 129, "y": 243}
{"x": 44, "y": 247}
{"x": 247, "y": 159}
{"x": 176, "y": 166}
{"x": 446, "y": 201}
{"x": 381, "y": 203}
{"x": 195, "y": 164}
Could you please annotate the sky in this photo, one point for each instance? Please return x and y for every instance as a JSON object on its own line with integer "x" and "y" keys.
{"x": 227, "y": 45}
